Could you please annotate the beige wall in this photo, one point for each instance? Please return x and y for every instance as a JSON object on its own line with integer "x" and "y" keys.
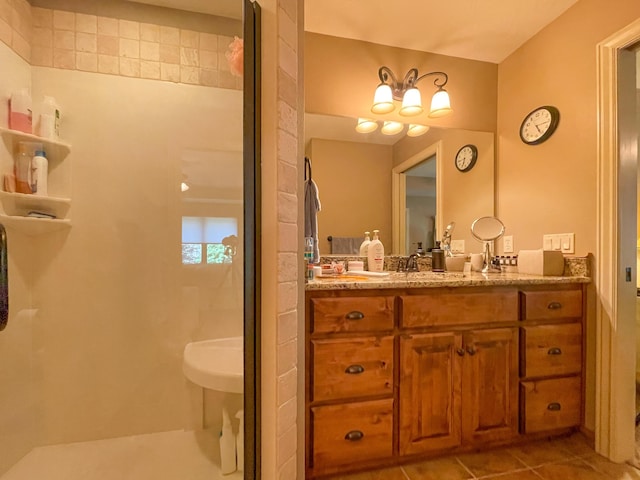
{"x": 354, "y": 181}
{"x": 551, "y": 188}
{"x": 341, "y": 76}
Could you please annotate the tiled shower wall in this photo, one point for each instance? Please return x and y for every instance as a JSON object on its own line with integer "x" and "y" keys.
{"x": 77, "y": 41}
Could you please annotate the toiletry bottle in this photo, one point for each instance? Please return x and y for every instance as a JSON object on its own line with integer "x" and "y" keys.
{"x": 227, "y": 445}
{"x": 20, "y": 111}
{"x": 240, "y": 441}
{"x": 375, "y": 254}
{"x": 364, "y": 246}
{"x": 22, "y": 168}
{"x": 308, "y": 257}
{"x": 437, "y": 259}
{"x": 50, "y": 119}
{"x": 39, "y": 173}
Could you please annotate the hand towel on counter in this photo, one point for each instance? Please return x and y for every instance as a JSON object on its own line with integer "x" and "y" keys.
{"x": 345, "y": 245}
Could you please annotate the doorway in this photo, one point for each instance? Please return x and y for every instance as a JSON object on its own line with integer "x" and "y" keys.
{"x": 615, "y": 278}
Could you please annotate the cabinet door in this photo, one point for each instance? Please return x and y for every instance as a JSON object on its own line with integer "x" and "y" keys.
{"x": 490, "y": 385}
{"x": 430, "y": 381}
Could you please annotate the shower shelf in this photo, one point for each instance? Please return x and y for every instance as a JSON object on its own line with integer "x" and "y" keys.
{"x": 62, "y": 148}
{"x": 34, "y": 226}
{"x": 16, "y": 206}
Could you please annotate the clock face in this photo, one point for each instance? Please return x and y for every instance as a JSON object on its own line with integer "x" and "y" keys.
{"x": 539, "y": 125}
{"x": 466, "y": 158}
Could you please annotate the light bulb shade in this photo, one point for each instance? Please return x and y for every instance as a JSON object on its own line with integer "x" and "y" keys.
{"x": 184, "y": 187}
{"x": 391, "y": 128}
{"x": 366, "y": 125}
{"x": 411, "y": 102}
{"x": 440, "y": 104}
{"x": 383, "y": 99}
{"x": 416, "y": 130}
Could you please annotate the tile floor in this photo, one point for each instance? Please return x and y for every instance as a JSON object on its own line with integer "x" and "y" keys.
{"x": 568, "y": 458}
{"x": 176, "y": 455}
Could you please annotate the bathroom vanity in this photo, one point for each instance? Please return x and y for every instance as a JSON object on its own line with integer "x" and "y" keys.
{"x": 423, "y": 364}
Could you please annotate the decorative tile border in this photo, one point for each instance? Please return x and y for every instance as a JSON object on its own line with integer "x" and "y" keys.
{"x": 91, "y": 43}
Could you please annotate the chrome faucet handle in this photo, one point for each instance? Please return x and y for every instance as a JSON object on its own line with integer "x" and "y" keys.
{"x": 401, "y": 265}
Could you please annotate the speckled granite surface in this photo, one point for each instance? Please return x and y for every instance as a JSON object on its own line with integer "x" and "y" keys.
{"x": 576, "y": 270}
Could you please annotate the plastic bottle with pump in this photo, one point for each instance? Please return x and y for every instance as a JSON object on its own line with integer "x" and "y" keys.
{"x": 39, "y": 173}
{"x": 375, "y": 254}
{"x": 364, "y": 246}
{"x": 227, "y": 445}
{"x": 437, "y": 259}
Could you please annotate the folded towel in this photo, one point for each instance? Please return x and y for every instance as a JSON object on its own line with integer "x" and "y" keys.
{"x": 345, "y": 245}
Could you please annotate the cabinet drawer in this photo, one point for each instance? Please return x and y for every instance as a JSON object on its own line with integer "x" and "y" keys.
{"x": 549, "y": 350}
{"x": 353, "y": 314}
{"x": 551, "y": 304}
{"x": 550, "y": 404}
{"x": 352, "y": 367}
{"x": 450, "y": 308}
{"x": 352, "y": 432}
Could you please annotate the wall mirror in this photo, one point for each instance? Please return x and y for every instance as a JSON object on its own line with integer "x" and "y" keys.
{"x": 407, "y": 187}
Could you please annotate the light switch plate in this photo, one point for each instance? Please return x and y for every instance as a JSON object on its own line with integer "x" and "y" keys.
{"x": 564, "y": 242}
{"x": 507, "y": 244}
{"x": 457, "y": 246}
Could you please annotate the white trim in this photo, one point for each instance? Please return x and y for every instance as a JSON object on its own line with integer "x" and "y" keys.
{"x": 614, "y": 426}
{"x": 399, "y": 194}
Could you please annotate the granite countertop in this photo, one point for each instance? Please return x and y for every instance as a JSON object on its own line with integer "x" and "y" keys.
{"x": 354, "y": 281}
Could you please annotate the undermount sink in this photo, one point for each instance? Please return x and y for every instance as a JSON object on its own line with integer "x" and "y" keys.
{"x": 427, "y": 275}
{"x": 215, "y": 364}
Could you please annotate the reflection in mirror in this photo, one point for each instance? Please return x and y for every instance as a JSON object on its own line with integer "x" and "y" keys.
{"x": 367, "y": 181}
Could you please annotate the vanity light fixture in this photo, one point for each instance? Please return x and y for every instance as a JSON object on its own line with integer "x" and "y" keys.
{"x": 391, "y": 89}
{"x": 416, "y": 130}
{"x": 366, "y": 125}
{"x": 391, "y": 128}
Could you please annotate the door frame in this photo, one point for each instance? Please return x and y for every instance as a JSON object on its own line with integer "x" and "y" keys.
{"x": 615, "y": 335}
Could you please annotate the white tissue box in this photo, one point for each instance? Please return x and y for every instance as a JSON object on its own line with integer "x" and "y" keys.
{"x": 541, "y": 262}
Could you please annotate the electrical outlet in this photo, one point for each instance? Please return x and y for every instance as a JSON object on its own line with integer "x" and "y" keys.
{"x": 507, "y": 244}
{"x": 457, "y": 246}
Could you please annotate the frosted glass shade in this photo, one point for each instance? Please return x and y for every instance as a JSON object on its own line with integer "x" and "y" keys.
{"x": 383, "y": 99}
{"x": 416, "y": 130}
{"x": 440, "y": 104}
{"x": 391, "y": 128}
{"x": 366, "y": 125}
{"x": 411, "y": 102}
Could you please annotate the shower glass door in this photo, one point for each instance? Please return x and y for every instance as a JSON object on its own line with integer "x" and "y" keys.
{"x": 145, "y": 261}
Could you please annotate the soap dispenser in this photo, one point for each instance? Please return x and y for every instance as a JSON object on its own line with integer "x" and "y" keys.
{"x": 364, "y": 246}
{"x": 375, "y": 254}
{"x": 437, "y": 259}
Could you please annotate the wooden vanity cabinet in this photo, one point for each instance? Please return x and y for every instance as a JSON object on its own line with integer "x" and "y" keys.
{"x": 458, "y": 387}
{"x": 396, "y": 373}
{"x": 551, "y": 358}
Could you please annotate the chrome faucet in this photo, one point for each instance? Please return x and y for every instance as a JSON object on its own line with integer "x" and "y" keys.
{"x": 410, "y": 264}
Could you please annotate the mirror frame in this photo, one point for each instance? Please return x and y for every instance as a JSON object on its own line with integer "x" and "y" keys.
{"x": 399, "y": 195}
{"x": 252, "y": 193}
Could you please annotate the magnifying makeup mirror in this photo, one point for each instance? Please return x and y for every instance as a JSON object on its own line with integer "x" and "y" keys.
{"x": 487, "y": 230}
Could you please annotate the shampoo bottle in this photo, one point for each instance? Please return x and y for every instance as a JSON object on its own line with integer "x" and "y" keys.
{"x": 39, "y": 173}
{"x": 375, "y": 254}
{"x": 227, "y": 445}
{"x": 364, "y": 246}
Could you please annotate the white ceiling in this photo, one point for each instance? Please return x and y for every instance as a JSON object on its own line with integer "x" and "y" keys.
{"x": 221, "y": 8}
{"x": 487, "y": 30}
